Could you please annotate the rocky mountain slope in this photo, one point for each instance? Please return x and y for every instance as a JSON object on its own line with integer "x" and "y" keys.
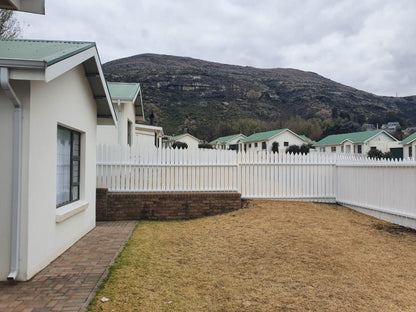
{"x": 210, "y": 99}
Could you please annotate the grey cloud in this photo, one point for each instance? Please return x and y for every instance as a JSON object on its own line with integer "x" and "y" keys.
{"x": 366, "y": 44}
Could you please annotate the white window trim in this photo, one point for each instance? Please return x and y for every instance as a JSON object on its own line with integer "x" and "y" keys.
{"x": 67, "y": 211}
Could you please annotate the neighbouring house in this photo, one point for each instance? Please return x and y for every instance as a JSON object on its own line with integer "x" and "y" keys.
{"x": 409, "y": 146}
{"x": 357, "y": 142}
{"x": 264, "y": 140}
{"x": 230, "y": 142}
{"x": 30, "y": 6}
{"x": 368, "y": 127}
{"x": 52, "y": 95}
{"x": 187, "y": 138}
{"x": 148, "y": 136}
{"x": 391, "y": 126}
{"x": 128, "y": 106}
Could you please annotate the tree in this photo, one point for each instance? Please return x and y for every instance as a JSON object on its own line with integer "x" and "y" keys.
{"x": 9, "y": 26}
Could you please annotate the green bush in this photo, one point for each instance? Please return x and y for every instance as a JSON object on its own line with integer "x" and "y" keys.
{"x": 205, "y": 145}
{"x": 296, "y": 149}
{"x": 180, "y": 145}
{"x": 275, "y": 147}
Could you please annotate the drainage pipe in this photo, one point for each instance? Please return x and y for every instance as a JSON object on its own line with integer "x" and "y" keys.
{"x": 16, "y": 172}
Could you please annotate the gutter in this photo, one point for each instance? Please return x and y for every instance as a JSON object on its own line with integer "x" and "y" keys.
{"x": 16, "y": 172}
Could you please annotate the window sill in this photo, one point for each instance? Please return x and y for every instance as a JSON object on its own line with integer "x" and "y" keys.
{"x": 67, "y": 211}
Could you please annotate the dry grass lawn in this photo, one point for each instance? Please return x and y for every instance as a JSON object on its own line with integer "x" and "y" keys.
{"x": 272, "y": 256}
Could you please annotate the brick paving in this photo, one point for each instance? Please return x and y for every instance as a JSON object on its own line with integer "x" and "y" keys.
{"x": 70, "y": 282}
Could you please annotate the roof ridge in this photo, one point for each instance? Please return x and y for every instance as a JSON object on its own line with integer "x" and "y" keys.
{"x": 49, "y": 41}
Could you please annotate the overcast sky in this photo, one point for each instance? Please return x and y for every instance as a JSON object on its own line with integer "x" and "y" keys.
{"x": 366, "y": 44}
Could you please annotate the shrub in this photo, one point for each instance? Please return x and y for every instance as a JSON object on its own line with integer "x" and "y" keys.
{"x": 275, "y": 147}
{"x": 296, "y": 149}
{"x": 180, "y": 145}
{"x": 205, "y": 145}
{"x": 375, "y": 153}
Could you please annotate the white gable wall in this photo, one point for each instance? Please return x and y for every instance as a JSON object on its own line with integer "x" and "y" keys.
{"x": 192, "y": 142}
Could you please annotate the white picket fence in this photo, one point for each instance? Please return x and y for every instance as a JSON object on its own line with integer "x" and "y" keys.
{"x": 384, "y": 189}
{"x": 253, "y": 174}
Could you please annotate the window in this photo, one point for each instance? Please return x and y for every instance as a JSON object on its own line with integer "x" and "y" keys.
{"x": 333, "y": 149}
{"x": 129, "y": 124}
{"x": 359, "y": 149}
{"x": 373, "y": 148}
{"x": 322, "y": 149}
{"x": 255, "y": 144}
{"x": 410, "y": 152}
{"x": 249, "y": 145}
{"x": 263, "y": 145}
{"x": 67, "y": 166}
{"x": 286, "y": 143}
{"x": 342, "y": 148}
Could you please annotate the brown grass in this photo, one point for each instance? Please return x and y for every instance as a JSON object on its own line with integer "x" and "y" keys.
{"x": 273, "y": 256}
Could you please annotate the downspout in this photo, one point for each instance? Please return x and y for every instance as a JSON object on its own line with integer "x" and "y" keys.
{"x": 16, "y": 172}
{"x": 120, "y": 116}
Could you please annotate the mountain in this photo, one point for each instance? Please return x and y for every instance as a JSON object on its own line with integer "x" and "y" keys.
{"x": 210, "y": 99}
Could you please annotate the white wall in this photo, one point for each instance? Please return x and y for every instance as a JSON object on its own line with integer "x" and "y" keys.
{"x": 406, "y": 150}
{"x": 107, "y": 134}
{"x": 144, "y": 138}
{"x": 192, "y": 142}
{"x": 67, "y": 101}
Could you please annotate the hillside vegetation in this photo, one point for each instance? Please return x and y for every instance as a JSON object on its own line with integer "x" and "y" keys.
{"x": 210, "y": 100}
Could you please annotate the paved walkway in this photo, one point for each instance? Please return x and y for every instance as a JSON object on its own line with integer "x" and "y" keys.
{"x": 70, "y": 282}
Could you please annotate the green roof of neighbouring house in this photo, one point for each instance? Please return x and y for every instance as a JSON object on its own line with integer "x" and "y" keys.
{"x": 305, "y": 138}
{"x": 355, "y": 137}
{"x": 261, "y": 136}
{"x": 123, "y": 90}
{"x": 225, "y": 138}
{"x": 409, "y": 139}
{"x": 45, "y": 51}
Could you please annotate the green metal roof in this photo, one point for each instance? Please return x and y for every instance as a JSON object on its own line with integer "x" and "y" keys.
{"x": 304, "y": 137}
{"x": 261, "y": 136}
{"x": 49, "y": 52}
{"x": 409, "y": 139}
{"x": 123, "y": 90}
{"x": 225, "y": 138}
{"x": 355, "y": 137}
{"x": 177, "y": 137}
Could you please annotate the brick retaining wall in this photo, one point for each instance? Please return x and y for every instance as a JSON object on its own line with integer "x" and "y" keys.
{"x": 163, "y": 206}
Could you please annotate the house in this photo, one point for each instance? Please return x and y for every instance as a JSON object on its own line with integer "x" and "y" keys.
{"x": 30, "y": 6}
{"x": 264, "y": 140}
{"x": 52, "y": 95}
{"x": 357, "y": 142}
{"x": 391, "y": 126}
{"x": 128, "y": 105}
{"x": 230, "y": 142}
{"x": 409, "y": 146}
{"x": 187, "y": 138}
{"x": 148, "y": 136}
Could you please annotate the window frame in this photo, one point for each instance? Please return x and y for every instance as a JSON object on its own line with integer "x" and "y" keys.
{"x": 263, "y": 145}
{"x": 73, "y": 158}
{"x": 286, "y": 143}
